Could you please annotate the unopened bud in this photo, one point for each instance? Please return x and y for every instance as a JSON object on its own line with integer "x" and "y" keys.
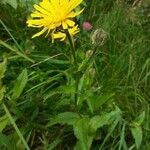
{"x": 98, "y": 37}
{"x": 87, "y": 25}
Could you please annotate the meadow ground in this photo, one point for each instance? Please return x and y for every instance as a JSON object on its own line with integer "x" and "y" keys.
{"x": 101, "y": 103}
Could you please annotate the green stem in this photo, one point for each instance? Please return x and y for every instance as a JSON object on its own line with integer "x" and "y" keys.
{"x": 77, "y": 79}
{"x": 92, "y": 56}
{"x": 5, "y": 27}
{"x": 88, "y": 61}
{"x": 72, "y": 47}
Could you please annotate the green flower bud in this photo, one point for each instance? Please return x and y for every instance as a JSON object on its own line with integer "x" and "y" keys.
{"x": 98, "y": 37}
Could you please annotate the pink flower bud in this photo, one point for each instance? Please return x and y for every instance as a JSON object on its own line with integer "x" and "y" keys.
{"x": 86, "y": 26}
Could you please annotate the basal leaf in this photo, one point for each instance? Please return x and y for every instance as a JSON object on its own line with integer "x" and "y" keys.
{"x": 137, "y": 135}
{"x": 20, "y": 84}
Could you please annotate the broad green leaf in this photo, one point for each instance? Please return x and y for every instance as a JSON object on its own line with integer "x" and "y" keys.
{"x": 64, "y": 118}
{"x": 81, "y": 131}
{"x": 136, "y": 129}
{"x": 79, "y": 146}
{"x": 3, "y": 68}
{"x": 105, "y": 119}
{"x": 140, "y": 118}
{"x": 20, "y": 84}
{"x": 67, "y": 89}
{"x": 2, "y": 91}
{"x": 97, "y": 101}
{"x": 12, "y": 3}
{"x": 3, "y": 122}
{"x": 137, "y": 135}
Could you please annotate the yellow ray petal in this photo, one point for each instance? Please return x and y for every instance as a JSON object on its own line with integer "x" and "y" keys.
{"x": 59, "y": 35}
{"x": 70, "y": 22}
{"x": 74, "y": 14}
{"x": 74, "y": 30}
{"x": 64, "y": 25}
{"x": 73, "y": 4}
{"x": 41, "y": 10}
{"x": 39, "y": 33}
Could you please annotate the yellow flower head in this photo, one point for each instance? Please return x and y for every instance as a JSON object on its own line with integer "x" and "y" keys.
{"x": 55, "y": 16}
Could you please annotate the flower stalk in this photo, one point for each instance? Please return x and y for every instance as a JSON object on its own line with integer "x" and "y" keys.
{"x": 72, "y": 48}
{"x": 77, "y": 78}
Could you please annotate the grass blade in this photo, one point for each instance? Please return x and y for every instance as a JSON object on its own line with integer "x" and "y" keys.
{"x": 15, "y": 127}
{"x": 15, "y": 51}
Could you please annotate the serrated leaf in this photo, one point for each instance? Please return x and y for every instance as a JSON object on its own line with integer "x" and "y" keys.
{"x": 64, "y": 118}
{"x": 105, "y": 119}
{"x": 137, "y": 135}
{"x": 20, "y": 84}
{"x": 3, "y": 122}
{"x": 3, "y": 68}
{"x": 81, "y": 131}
